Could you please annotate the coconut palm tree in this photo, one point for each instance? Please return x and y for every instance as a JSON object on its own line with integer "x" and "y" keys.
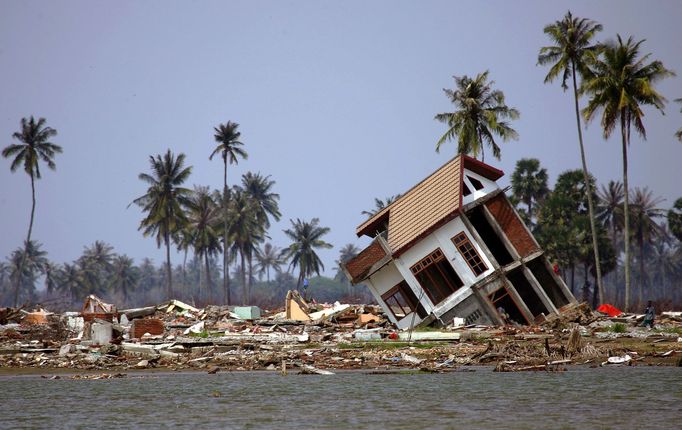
{"x": 164, "y": 202}
{"x": 380, "y": 204}
{"x": 623, "y": 82}
{"x": 229, "y": 148}
{"x": 35, "y": 146}
{"x": 204, "y": 219}
{"x": 125, "y": 276}
{"x": 610, "y": 208}
{"x": 482, "y": 113}
{"x": 306, "y": 238}
{"x": 245, "y": 231}
{"x": 646, "y": 230}
{"x": 572, "y": 38}
{"x": 529, "y": 183}
{"x": 675, "y": 219}
{"x": 51, "y": 271}
{"x": 268, "y": 257}
{"x": 347, "y": 253}
{"x": 26, "y": 264}
{"x": 71, "y": 281}
{"x": 258, "y": 188}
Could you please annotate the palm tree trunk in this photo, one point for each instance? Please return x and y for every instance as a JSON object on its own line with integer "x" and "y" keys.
{"x": 20, "y": 269}
{"x": 244, "y": 292}
{"x": 588, "y": 190}
{"x": 208, "y": 278}
{"x": 250, "y": 278}
{"x": 169, "y": 272}
{"x": 626, "y": 209}
{"x": 226, "y": 271}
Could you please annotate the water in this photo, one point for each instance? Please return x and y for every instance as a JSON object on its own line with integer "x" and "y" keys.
{"x": 639, "y": 397}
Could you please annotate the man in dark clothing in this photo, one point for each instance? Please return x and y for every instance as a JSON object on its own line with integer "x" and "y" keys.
{"x": 649, "y": 314}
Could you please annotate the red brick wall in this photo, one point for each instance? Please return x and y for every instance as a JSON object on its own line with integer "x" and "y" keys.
{"x": 152, "y": 326}
{"x": 359, "y": 266}
{"x": 512, "y": 225}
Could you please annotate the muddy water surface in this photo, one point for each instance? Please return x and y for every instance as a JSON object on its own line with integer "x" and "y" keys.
{"x": 630, "y": 397}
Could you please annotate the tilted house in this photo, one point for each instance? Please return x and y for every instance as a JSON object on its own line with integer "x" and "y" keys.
{"x": 453, "y": 246}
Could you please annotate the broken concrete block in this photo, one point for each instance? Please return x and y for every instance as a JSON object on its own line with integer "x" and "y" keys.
{"x": 152, "y": 326}
{"x": 67, "y": 349}
{"x": 101, "y": 332}
{"x": 247, "y": 312}
{"x": 295, "y": 307}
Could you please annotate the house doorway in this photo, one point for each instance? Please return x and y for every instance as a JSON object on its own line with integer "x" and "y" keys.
{"x": 501, "y": 298}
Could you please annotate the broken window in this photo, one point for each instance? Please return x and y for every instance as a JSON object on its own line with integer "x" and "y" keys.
{"x": 526, "y": 291}
{"x": 465, "y": 190}
{"x": 505, "y": 304}
{"x": 469, "y": 253}
{"x": 489, "y": 236}
{"x": 436, "y": 276}
{"x": 547, "y": 282}
{"x": 401, "y": 301}
{"x": 475, "y": 183}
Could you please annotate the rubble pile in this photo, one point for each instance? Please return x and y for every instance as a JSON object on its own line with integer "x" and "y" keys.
{"x": 318, "y": 339}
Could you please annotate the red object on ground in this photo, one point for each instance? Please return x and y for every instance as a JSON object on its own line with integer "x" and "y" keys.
{"x": 609, "y": 310}
{"x": 393, "y": 336}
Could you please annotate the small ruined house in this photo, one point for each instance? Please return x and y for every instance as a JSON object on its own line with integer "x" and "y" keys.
{"x": 453, "y": 246}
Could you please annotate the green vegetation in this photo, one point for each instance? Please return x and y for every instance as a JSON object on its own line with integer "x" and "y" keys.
{"x": 617, "y": 328}
{"x": 482, "y": 114}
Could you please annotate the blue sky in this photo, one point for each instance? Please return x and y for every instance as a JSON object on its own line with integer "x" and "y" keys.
{"x": 335, "y": 101}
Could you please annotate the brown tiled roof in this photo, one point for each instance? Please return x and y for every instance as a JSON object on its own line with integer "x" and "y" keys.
{"x": 358, "y": 267}
{"x": 427, "y": 205}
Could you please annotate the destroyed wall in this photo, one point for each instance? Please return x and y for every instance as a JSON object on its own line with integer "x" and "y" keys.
{"x": 512, "y": 226}
{"x": 358, "y": 267}
{"x": 386, "y": 278}
{"x": 442, "y": 239}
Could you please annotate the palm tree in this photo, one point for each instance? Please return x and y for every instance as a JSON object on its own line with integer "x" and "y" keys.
{"x": 379, "y": 205}
{"x": 645, "y": 212}
{"x": 229, "y": 145}
{"x": 529, "y": 183}
{"x": 35, "y": 146}
{"x": 675, "y": 219}
{"x": 482, "y": 114}
{"x": 306, "y": 238}
{"x": 572, "y": 37}
{"x": 244, "y": 231}
{"x": 268, "y": 257}
{"x": 610, "y": 208}
{"x": 347, "y": 253}
{"x": 164, "y": 202}
{"x": 621, "y": 85}
{"x": 204, "y": 226}
{"x": 51, "y": 271}
{"x": 258, "y": 188}
{"x": 125, "y": 276}
{"x": 71, "y": 281}
{"x": 26, "y": 264}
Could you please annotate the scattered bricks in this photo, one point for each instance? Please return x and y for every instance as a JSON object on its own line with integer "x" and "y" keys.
{"x": 152, "y": 326}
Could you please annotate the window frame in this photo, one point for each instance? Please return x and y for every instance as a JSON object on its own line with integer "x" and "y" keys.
{"x": 461, "y": 239}
{"x": 390, "y": 294}
{"x": 432, "y": 260}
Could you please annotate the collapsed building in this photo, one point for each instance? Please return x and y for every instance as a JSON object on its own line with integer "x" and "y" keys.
{"x": 454, "y": 247}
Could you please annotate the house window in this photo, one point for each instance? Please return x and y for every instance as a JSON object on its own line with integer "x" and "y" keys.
{"x": 476, "y": 183}
{"x": 465, "y": 190}
{"x": 436, "y": 276}
{"x": 466, "y": 248}
{"x": 400, "y": 300}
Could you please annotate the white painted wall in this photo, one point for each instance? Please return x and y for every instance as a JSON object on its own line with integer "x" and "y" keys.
{"x": 442, "y": 238}
{"x": 488, "y": 187}
{"x": 386, "y": 278}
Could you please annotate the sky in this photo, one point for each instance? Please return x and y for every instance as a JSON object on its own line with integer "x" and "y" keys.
{"x": 334, "y": 100}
